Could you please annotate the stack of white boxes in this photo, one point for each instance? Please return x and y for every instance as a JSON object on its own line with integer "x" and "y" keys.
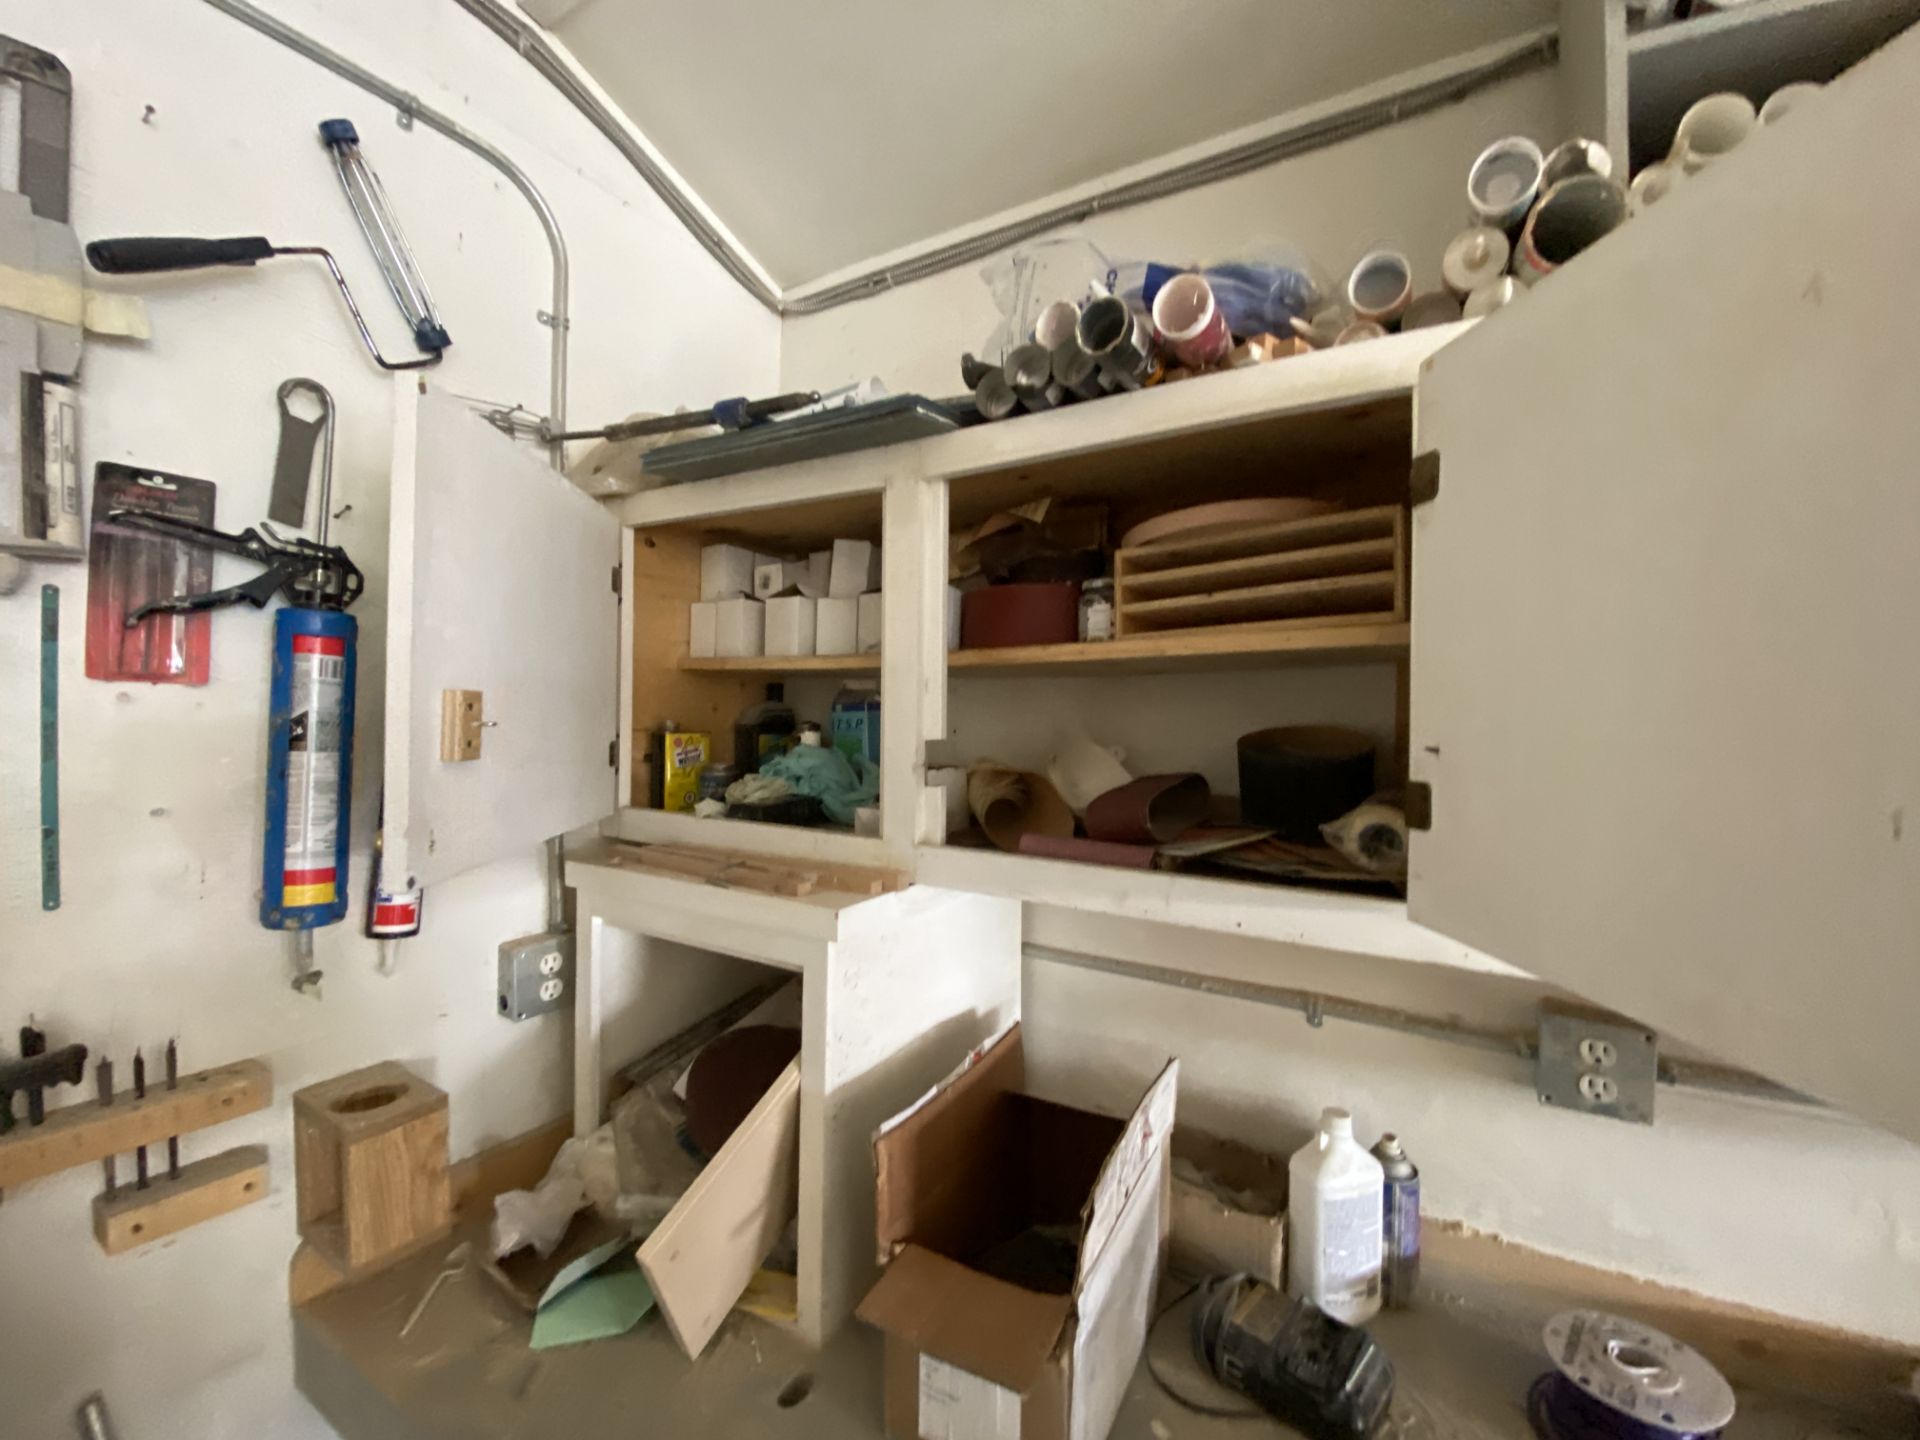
{"x": 726, "y": 621}
{"x": 826, "y": 604}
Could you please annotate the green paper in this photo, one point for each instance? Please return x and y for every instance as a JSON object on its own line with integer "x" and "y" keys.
{"x": 610, "y": 1303}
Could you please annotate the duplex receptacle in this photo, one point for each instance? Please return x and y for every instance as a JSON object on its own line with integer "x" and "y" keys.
{"x": 536, "y": 974}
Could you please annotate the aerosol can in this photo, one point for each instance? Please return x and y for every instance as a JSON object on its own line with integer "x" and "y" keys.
{"x": 1400, "y": 1224}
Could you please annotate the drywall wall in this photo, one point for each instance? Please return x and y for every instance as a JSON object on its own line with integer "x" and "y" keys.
{"x": 187, "y": 122}
{"x": 1403, "y": 187}
{"x": 1799, "y": 1211}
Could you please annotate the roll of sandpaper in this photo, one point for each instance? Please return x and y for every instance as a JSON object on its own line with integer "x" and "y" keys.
{"x": 1011, "y": 803}
{"x": 1034, "y": 613}
{"x": 1372, "y": 835}
{"x": 1299, "y": 777}
{"x": 1150, "y": 810}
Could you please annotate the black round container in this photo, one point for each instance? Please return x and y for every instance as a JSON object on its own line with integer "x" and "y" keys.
{"x": 1298, "y": 777}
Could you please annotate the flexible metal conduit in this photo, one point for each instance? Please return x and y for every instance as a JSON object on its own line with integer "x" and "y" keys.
{"x": 1528, "y": 52}
{"x": 410, "y": 104}
{"x": 1317, "y": 1008}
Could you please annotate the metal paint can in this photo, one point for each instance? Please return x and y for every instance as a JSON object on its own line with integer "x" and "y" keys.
{"x": 1473, "y": 258}
{"x": 1400, "y": 1224}
{"x": 1490, "y": 297}
{"x": 1712, "y": 126}
{"x": 1503, "y": 182}
{"x": 1380, "y": 286}
{"x": 1191, "y": 324}
{"x": 1568, "y": 219}
{"x": 1575, "y": 157}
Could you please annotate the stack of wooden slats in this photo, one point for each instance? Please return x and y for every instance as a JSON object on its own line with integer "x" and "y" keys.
{"x": 1344, "y": 568}
{"x": 770, "y": 875}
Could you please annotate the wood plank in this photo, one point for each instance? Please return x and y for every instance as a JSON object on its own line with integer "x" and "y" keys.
{"x": 768, "y": 879}
{"x": 704, "y": 1254}
{"x": 826, "y": 874}
{"x": 1369, "y": 523}
{"x": 78, "y": 1134}
{"x": 128, "y": 1218}
{"x": 1354, "y": 558}
{"x": 1368, "y": 597}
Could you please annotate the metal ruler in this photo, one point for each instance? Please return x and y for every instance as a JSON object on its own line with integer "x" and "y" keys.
{"x": 49, "y": 747}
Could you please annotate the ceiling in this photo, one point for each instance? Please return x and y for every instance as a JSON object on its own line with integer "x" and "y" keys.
{"x": 826, "y": 135}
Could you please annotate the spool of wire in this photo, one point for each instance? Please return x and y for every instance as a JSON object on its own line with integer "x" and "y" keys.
{"x": 1616, "y": 1379}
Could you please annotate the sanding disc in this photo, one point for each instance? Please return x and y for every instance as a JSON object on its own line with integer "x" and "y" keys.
{"x": 729, "y": 1077}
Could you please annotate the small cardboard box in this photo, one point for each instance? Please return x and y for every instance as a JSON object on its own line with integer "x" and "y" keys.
{"x": 781, "y": 577}
{"x": 703, "y": 629}
{"x": 790, "y": 625}
{"x": 740, "y": 627}
{"x": 725, "y": 571}
{"x": 837, "y": 627}
{"x": 854, "y": 569}
{"x": 873, "y": 621}
{"x": 966, "y": 1178}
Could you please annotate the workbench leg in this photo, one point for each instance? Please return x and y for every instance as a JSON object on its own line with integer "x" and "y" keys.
{"x": 589, "y": 1083}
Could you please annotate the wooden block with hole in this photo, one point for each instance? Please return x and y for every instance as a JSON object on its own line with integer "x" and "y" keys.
{"x": 370, "y": 1165}
{"x": 128, "y": 1217}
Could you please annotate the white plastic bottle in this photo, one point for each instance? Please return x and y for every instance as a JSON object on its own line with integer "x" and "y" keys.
{"x": 1335, "y": 1190}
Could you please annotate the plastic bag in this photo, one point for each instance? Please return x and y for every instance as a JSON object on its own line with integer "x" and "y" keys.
{"x": 1024, "y": 281}
{"x": 540, "y": 1216}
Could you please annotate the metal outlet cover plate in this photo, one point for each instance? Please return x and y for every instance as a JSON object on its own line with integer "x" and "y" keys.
{"x": 536, "y": 974}
{"x": 1601, "y": 1065}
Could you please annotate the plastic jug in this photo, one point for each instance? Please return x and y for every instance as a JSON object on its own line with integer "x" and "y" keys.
{"x": 1335, "y": 1192}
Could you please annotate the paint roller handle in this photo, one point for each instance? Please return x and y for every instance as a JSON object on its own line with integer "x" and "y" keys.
{"x": 145, "y": 254}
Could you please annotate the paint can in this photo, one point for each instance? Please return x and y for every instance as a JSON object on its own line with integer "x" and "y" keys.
{"x": 1190, "y": 323}
{"x": 1491, "y": 297}
{"x": 1380, "y": 286}
{"x": 1711, "y": 127}
{"x": 1503, "y": 182}
{"x": 1787, "y": 97}
{"x": 1473, "y": 258}
{"x": 1400, "y": 1224}
{"x": 1436, "y": 307}
{"x": 1568, "y": 219}
{"x": 1075, "y": 371}
{"x": 1117, "y": 338}
{"x": 1056, "y": 324}
{"x": 1360, "y": 330}
{"x": 1651, "y": 186}
{"x": 1575, "y": 157}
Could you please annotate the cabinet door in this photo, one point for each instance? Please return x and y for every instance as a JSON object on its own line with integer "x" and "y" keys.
{"x": 501, "y": 580}
{"x": 1666, "y": 647}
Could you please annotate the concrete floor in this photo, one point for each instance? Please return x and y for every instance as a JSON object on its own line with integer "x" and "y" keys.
{"x": 1464, "y": 1356}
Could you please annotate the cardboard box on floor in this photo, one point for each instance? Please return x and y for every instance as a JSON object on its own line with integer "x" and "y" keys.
{"x": 974, "y": 1164}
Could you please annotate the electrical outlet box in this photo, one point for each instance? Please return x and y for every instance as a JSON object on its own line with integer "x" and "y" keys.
{"x": 1602, "y": 1064}
{"x": 536, "y": 974}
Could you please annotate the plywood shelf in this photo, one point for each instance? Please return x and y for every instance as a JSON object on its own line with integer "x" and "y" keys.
{"x": 1223, "y": 648}
{"x": 786, "y": 665}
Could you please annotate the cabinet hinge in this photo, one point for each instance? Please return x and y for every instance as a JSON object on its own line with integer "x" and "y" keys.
{"x": 1419, "y": 805}
{"x": 1423, "y": 483}
{"x": 613, "y": 752}
{"x": 616, "y": 579}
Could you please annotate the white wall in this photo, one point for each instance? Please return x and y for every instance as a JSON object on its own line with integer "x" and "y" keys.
{"x": 1402, "y": 187}
{"x": 1801, "y": 1212}
{"x": 161, "y": 786}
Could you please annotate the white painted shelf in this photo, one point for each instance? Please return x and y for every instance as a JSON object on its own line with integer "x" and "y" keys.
{"x": 1288, "y": 914}
{"x": 1305, "y": 401}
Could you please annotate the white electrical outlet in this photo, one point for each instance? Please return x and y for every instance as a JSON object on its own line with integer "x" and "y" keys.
{"x": 1601, "y": 1054}
{"x": 535, "y": 973}
{"x": 1599, "y": 1089}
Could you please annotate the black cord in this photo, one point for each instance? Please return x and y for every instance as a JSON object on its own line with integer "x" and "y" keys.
{"x": 1196, "y": 1406}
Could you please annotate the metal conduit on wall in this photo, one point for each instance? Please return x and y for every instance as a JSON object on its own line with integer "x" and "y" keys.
{"x": 1317, "y": 1008}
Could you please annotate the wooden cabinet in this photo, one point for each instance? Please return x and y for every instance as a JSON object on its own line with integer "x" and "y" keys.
{"x": 1657, "y": 672}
